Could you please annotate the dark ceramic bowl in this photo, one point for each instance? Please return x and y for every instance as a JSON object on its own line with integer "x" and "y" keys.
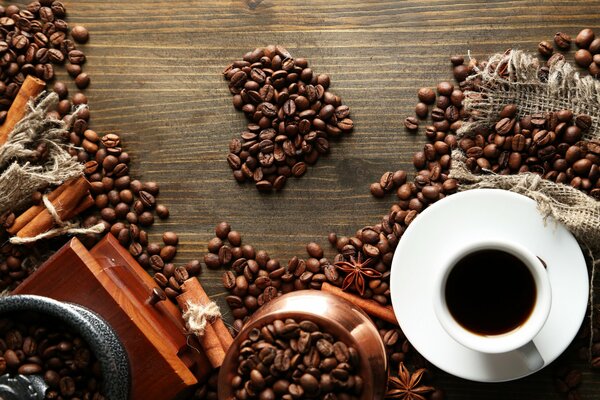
{"x": 342, "y": 319}
{"x": 93, "y": 329}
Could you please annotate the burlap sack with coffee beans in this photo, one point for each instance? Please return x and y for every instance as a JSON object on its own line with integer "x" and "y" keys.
{"x": 518, "y": 79}
{"x": 22, "y": 170}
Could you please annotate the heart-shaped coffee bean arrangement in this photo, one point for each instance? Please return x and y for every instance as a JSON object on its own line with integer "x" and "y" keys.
{"x": 292, "y": 117}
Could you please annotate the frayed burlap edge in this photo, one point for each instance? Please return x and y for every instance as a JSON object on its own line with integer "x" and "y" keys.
{"x": 514, "y": 78}
{"x": 20, "y": 178}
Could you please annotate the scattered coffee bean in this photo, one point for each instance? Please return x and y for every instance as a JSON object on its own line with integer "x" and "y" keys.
{"x": 80, "y": 34}
{"x": 545, "y": 48}
{"x": 562, "y": 40}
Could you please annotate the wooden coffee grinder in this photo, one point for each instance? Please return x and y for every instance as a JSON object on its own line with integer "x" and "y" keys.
{"x": 165, "y": 362}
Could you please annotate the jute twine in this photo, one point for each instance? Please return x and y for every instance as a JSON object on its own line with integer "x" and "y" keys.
{"x": 197, "y": 316}
{"x": 63, "y": 228}
{"x": 19, "y": 178}
{"x": 563, "y": 89}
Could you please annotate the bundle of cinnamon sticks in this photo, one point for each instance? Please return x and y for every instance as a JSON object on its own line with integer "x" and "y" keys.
{"x": 216, "y": 339}
{"x": 69, "y": 200}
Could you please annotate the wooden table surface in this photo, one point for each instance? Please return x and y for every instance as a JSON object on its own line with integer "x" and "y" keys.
{"x": 156, "y": 80}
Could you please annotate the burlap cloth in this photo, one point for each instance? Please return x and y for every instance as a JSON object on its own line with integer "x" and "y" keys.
{"x": 514, "y": 78}
{"x": 20, "y": 177}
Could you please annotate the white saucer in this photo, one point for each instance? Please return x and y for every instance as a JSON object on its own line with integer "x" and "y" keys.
{"x": 490, "y": 214}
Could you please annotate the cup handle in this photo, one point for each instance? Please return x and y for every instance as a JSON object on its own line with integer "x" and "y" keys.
{"x": 531, "y": 355}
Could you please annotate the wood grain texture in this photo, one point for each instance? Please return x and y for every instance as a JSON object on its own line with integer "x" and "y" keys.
{"x": 155, "y": 68}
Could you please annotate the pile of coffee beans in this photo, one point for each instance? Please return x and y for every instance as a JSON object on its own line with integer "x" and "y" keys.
{"x": 31, "y": 344}
{"x": 289, "y": 360}
{"x": 253, "y": 278}
{"x": 32, "y": 41}
{"x": 549, "y": 145}
{"x": 587, "y": 55}
{"x": 292, "y": 116}
{"x": 126, "y": 206}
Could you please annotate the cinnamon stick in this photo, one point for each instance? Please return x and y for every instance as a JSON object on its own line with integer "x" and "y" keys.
{"x": 83, "y": 205}
{"x": 371, "y": 307}
{"x": 32, "y": 87}
{"x": 65, "y": 204}
{"x": 33, "y": 211}
{"x": 216, "y": 339}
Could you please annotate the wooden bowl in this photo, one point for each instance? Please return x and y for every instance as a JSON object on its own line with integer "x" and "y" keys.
{"x": 342, "y": 319}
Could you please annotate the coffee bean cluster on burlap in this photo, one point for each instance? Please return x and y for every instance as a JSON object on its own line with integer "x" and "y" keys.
{"x": 292, "y": 115}
{"x": 289, "y": 359}
{"x": 546, "y": 144}
{"x": 31, "y": 344}
{"x": 32, "y": 41}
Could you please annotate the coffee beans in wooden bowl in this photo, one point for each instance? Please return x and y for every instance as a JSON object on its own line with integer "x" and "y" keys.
{"x": 293, "y": 359}
{"x": 306, "y": 345}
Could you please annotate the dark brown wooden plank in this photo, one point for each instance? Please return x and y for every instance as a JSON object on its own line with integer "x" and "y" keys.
{"x": 155, "y": 68}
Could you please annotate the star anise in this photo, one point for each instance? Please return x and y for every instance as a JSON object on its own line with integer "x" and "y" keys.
{"x": 406, "y": 386}
{"x": 356, "y": 271}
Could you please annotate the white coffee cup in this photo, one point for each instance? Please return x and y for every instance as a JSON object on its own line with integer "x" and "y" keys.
{"x": 519, "y": 339}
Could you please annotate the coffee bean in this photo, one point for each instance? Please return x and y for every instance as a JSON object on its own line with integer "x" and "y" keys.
{"x": 80, "y": 34}
{"x": 583, "y": 121}
{"x": 545, "y": 48}
{"x": 426, "y": 95}
{"x": 411, "y": 123}
{"x": 170, "y": 238}
{"x": 30, "y": 369}
{"x": 584, "y": 38}
{"x": 168, "y": 252}
{"x": 583, "y": 58}
{"x": 229, "y": 280}
{"x": 562, "y": 40}
{"x": 377, "y": 190}
{"x": 421, "y": 110}
{"x": 162, "y": 211}
{"x": 299, "y": 169}
{"x": 445, "y": 88}
{"x": 314, "y": 250}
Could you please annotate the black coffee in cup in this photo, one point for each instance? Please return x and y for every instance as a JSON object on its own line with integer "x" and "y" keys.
{"x": 490, "y": 292}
